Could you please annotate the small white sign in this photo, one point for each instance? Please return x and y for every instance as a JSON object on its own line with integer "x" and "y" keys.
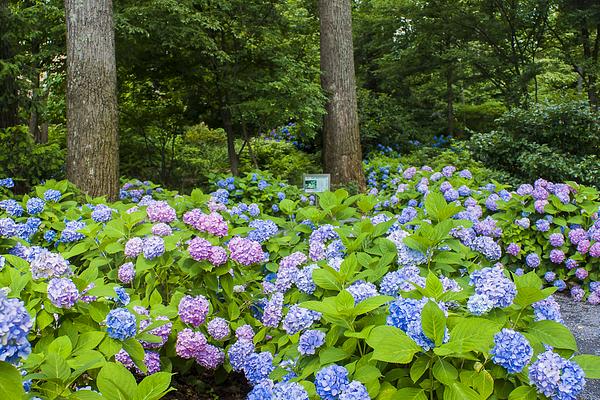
{"x": 316, "y": 183}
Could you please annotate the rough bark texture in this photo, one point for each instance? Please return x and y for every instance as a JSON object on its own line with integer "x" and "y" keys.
{"x": 342, "y": 154}
{"x": 92, "y": 115}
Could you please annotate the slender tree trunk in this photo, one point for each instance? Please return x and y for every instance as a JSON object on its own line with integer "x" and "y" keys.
{"x": 9, "y": 102}
{"x": 342, "y": 154}
{"x": 92, "y": 115}
{"x": 234, "y": 162}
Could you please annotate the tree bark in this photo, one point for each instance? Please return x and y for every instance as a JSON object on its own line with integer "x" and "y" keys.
{"x": 92, "y": 114}
{"x": 342, "y": 154}
{"x": 9, "y": 101}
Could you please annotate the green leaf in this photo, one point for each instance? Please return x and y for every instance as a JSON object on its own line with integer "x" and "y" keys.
{"x": 392, "y": 345}
{"x": 16, "y": 262}
{"x": 434, "y": 204}
{"x": 332, "y": 354}
{"x": 135, "y": 350}
{"x": 470, "y": 334}
{"x": 11, "y": 385}
{"x": 433, "y": 286}
{"x": 62, "y": 346}
{"x": 445, "y": 372}
{"x": 89, "y": 340}
{"x": 115, "y": 382}
{"x": 153, "y": 387}
{"x": 523, "y": 393}
{"x": 371, "y": 304}
{"x": 419, "y": 367}
{"x": 325, "y": 279}
{"x": 460, "y": 391}
{"x": 553, "y": 334}
{"x": 344, "y": 301}
{"x": 433, "y": 321}
{"x": 85, "y": 395}
{"x": 55, "y": 367}
{"x": 590, "y": 365}
{"x": 409, "y": 393}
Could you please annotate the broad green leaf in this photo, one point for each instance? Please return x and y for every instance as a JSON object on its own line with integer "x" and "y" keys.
{"x": 419, "y": 367}
{"x": 590, "y": 365}
{"x": 85, "y": 395}
{"x": 445, "y": 372}
{"x": 523, "y": 393}
{"x": 460, "y": 391}
{"x": 11, "y": 384}
{"x": 55, "y": 367}
{"x": 115, "y": 382}
{"x": 325, "y": 279}
{"x": 553, "y": 334}
{"x": 61, "y": 346}
{"x": 89, "y": 340}
{"x": 135, "y": 350}
{"x": 392, "y": 345}
{"x": 153, "y": 387}
{"x": 16, "y": 262}
{"x": 433, "y": 321}
{"x": 332, "y": 354}
{"x": 371, "y": 304}
{"x": 409, "y": 393}
{"x": 344, "y": 301}
{"x": 470, "y": 334}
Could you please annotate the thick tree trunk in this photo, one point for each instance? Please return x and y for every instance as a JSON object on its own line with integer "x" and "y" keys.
{"x": 92, "y": 115}
{"x": 342, "y": 154}
{"x": 9, "y": 101}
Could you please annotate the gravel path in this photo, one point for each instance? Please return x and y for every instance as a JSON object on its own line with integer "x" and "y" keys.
{"x": 584, "y": 321}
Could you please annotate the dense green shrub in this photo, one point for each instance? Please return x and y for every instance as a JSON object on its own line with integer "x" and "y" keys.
{"x": 554, "y": 142}
{"x": 282, "y": 159}
{"x": 28, "y": 162}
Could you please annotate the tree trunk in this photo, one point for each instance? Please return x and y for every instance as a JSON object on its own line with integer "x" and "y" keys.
{"x": 92, "y": 115}
{"x": 234, "y": 162}
{"x": 9, "y": 102}
{"x": 342, "y": 154}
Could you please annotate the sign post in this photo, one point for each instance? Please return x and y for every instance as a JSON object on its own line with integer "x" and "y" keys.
{"x": 316, "y": 183}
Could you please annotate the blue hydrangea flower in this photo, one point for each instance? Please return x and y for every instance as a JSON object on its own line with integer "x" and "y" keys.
{"x": 102, "y": 213}
{"x": 355, "y": 391}
{"x": 12, "y": 207}
{"x": 532, "y": 260}
{"x": 310, "y": 341}
{"x": 298, "y": 319}
{"x": 7, "y": 183}
{"x": 405, "y": 314}
{"x": 239, "y": 352}
{"x": 557, "y": 378}
{"x": 258, "y": 367}
{"x": 289, "y": 391}
{"x": 122, "y": 297}
{"x": 35, "y": 205}
{"x": 263, "y": 230}
{"x": 547, "y": 309}
{"x": 331, "y": 381}
{"x": 121, "y": 324}
{"x": 62, "y": 292}
{"x": 52, "y": 195}
{"x": 511, "y": 350}
{"x": 361, "y": 290}
{"x": 15, "y": 324}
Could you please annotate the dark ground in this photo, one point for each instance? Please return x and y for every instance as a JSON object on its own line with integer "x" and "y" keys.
{"x": 584, "y": 321}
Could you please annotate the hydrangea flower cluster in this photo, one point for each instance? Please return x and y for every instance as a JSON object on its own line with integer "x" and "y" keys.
{"x": 405, "y": 314}
{"x": 492, "y": 289}
{"x": 126, "y": 272}
{"x": 245, "y": 251}
{"x": 331, "y": 381}
{"x": 511, "y": 350}
{"x": 62, "y": 292}
{"x": 49, "y": 265}
{"x": 361, "y": 290}
{"x": 262, "y": 230}
{"x": 212, "y": 223}
{"x": 547, "y": 309}
{"x": 298, "y": 319}
{"x": 310, "y": 341}
{"x": 15, "y": 324}
{"x": 407, "y": 257}
{"x": 193, "y": 310}
{"x": 161, "y": 211}
{"x": 121, "y": 324}
{"x": 557, "y": 378}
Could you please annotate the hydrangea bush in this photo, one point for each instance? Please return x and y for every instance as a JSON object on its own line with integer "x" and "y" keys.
{"x": 427, "y": 288}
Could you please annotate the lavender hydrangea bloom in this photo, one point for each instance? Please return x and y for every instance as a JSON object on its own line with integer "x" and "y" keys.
{"x": 532, "y": 260}
{"x": 245, "y": 251}
{"x": 298, "y": 319}
{"x": 493, "y": 284}
{"x": 121, "y": 324}
{"x": 162, "y": 332}
{"x": 133, "y": 247}
{"x": 102, "y": 213}
{"x": 62, "y": 292}
{"x": 557, "y": 256}
{"x": 407, "y": 257}
{"x": 547, "y": 309}
{"x": 511, "y": 350}
{"x": 273, "y": 310}
{"x": 331, "y": 381}
{"x": 212, "y": 223}
{"x": 288, "y": 391}
{"x": 557, "y": 378}
{"x": 161, "y": 211}
{"x": 49, "y": 265}
{"x": 556, "y": 240}
{"x": 310, "y": 341}
{"x": 15, "y": 324}
{"x": 210, "y": 357}
{"x": 577, "y": 235}
{"x": 244, "y": 332}
{"x": 126, "y": 273}
{"x": 162, "y": 229}
{"x": 304, "y": 281}
{"x": 199, "y": 249}
{"x": 513, "y": 249}
{"x": 581, "y": 273}
{"x": 550, "y": 276}
{"x": 189, "y": 343}
{"x": 577, "y": 293}
{"x": 487, "y": 246}
{"x": 542, "y": 225}
{"x": 218, "y": 328}
{"x": 361, "y": 290}
{"x": 193, "y": 310}
{"x": 595, "y": 250}
{"x": 523, "y": 222}
{"x": 153, "y": 246}
{"x": 217, "y": 255}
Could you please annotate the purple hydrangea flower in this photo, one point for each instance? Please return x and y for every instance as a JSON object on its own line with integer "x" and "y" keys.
{"x": 199, "y": 249}
{"x": 557, "y": 378}
{"x": 210, "y": 357}
{"x": 49, "y": 265}
{"x": 532, "y": 260}
{"x": 218, "y": 328}
{"x": 153, "y": 246}
{"x": 310, "y": 341}
{"x": 581, "y": 273}
{"x": 193, "y": 310}
{"x": 273, "y": 310}
{"x": 513, "y": 249}
{"x": 189, "y": 343}
{"x": 245, "y": 251}
{"x": 126, "y": 273}
{"x": 557, "y": 256}
{"x": 162, "y": 332}
{"x": 162, "y": 229}
{"x": 577, "y": 293}
{"x": 134, "y": 247}
{"x": 244, "y": 332}
{"x": 62, "y": 292}
{"x": 161, "y": 211}
{"x": 556, "y": 240}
